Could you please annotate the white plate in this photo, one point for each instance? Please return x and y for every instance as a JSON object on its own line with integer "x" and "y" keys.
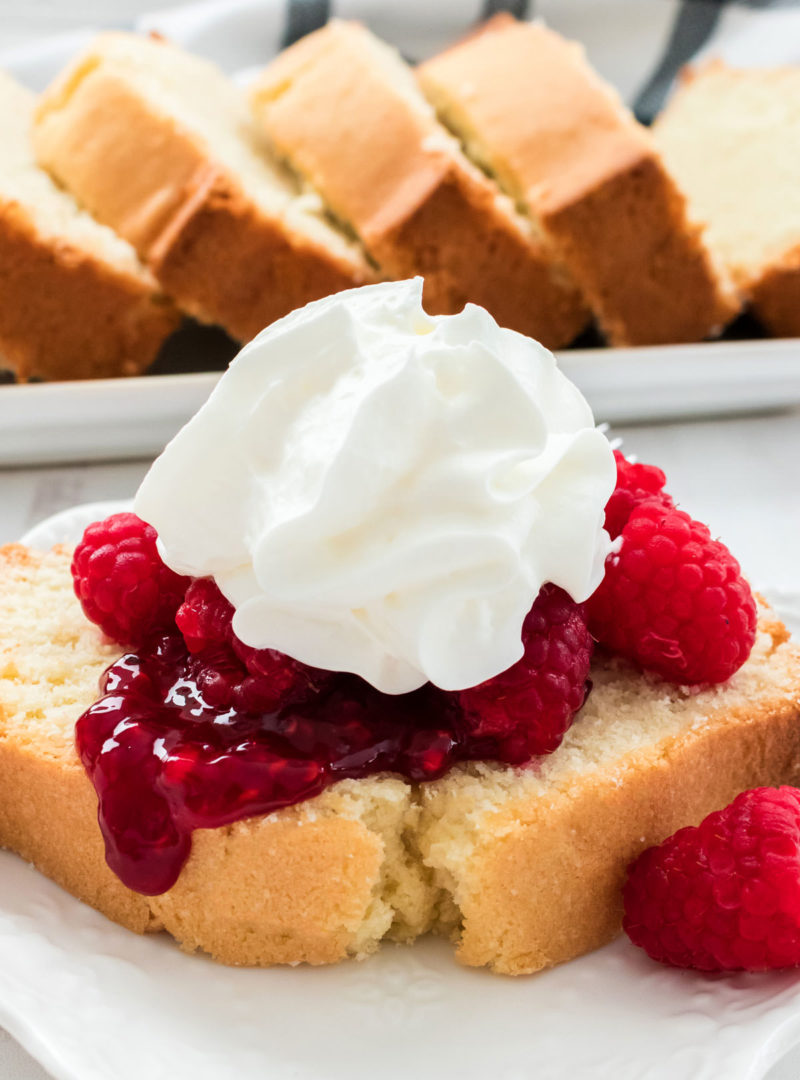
{"x": 92, "y": 1001}
{"x": 127, "y": 418}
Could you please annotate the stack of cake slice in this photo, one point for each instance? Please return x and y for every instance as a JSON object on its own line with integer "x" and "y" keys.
{"x": 534, "y": 193}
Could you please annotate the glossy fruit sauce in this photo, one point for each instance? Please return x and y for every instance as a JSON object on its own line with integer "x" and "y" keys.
{"x": 165, "y": 761}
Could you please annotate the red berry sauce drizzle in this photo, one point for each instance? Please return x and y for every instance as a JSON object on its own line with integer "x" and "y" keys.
{"x": 164, "y": 761}
{"x": 196, "y": 730}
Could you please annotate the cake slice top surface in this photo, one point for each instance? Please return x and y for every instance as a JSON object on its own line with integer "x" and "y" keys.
{"x": 628, "y": 712}
{"x": 54, "y": 213}
{"x": 51, "y": 656}
{"x": 732, "y": 139}
{"x": 203, "y": 104}
{"x": 532, "y": 111}
{"x": 51, "y": 659}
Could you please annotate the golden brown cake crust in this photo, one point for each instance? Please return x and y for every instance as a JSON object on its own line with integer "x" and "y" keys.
{"x": 260, "y": 893}
{"x": 48, "y": 814}
{"x": 643, "y": 267}
{"x": 567, "y": 857}
{"x": 228, "y": 263}
{"x": 560, "y": 142}
{"x": 275, "y": 892}
{"x": 67, "y": 314}
{"x": 332, "y": 108}
{"x": 220, "y": 255}
{"x": 457, "y": 243}
{"x": 775, "y": 296}
{"x": 534, "y": 870}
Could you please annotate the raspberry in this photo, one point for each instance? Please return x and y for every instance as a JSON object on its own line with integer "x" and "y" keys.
{"x": 635, "y": 484}
{"x": 269, "y": 679}
{"x": 218, "y": 676}
{"x": 527, "y": 709}
{"x": 723, "y": 895}
{"x": 121, "y": 582}
{"x": 276, "y": 679}
{"x": 673, "y": 600}
{"x": 204, "y": 617}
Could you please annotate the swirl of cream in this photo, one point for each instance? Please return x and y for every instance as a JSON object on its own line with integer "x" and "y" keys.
{"x": 384, "y": 492}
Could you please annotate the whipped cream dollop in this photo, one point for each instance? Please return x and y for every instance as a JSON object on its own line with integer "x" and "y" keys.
{"x": 384, "y": 492}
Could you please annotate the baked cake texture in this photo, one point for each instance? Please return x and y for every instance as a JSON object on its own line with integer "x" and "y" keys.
{"x": 531, "y": 112}
{"x": 521, "y": 868}
{"x": 75, "y": 300}
{"x": 731, "y": 137}
{"x": 159, "y": 145}
{"x": 343, "y": 109}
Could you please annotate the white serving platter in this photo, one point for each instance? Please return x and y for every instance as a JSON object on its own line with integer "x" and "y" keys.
{"x": 114, "y": 419}
{"x": 92, "y": 1001}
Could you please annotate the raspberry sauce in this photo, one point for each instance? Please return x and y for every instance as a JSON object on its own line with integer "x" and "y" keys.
{"x": 165, "y": 761}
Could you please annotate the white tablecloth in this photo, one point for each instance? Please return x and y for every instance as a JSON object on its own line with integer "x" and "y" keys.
{"x": 738, "y": 475}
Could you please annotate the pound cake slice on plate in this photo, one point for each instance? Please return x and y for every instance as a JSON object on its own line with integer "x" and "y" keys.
{"x": 159, "y": 145}
{"x": 732, "y": 139}
{"x": 349, "y": 689}
{"x": 530, "y": 111}
{"x": 522, "y": 868}
{"x": 75, "y": 300}
{"x": 342, "y": 108}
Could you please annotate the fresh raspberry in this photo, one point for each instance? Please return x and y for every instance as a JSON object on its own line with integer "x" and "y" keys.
{"x": 673, "y": 600}
{"x": 218, "y": 675}
{"x": 725, "y": 894}
{"x": 527, "y": 709}
{"x": 277, "y": 679}
{"x": 204, "y": 617}
{"x": 269, "y": 679}
{"x": 635, "y": 484}
{"x": 121, "y": 582}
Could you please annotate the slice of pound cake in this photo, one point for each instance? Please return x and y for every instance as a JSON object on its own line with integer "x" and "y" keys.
{"x": 381, "y": 660}
{"x": 522, "y": 868}
{"x": 75, "y": 300}
{"x": 732, "y": 139}
{"x": 159, "y": 145}
{"x": 342, "y": 108}
{"x": 529, "y": 109}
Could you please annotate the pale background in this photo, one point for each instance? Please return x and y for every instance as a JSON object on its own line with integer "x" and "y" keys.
{"x": 25, "y": 20}
{"x": 738, "y": 475}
